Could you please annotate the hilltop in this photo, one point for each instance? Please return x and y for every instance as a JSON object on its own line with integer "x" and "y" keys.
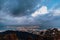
{"x": 49, "y": 34}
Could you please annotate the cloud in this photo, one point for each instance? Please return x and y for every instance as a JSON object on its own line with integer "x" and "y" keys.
{"x": 43, "y": 18}
{"x": 41, "y": 11}
{"x": 56, "y": 12}
{"x": 19, "y": 7}
{"x": 17, "y": 11}
{"x": 20, "y": 12}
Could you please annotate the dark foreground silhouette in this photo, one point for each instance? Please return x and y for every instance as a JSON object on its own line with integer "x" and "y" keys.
{"x": 49, "y": 34}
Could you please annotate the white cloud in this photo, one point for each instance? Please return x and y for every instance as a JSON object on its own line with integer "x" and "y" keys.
{"x": 41, "y": 11}
{"x": 55, "y": 12}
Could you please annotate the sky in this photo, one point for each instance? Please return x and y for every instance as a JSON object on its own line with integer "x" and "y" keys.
{"x": 45, "y": 13}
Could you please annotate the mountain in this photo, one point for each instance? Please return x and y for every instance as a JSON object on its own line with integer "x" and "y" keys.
{"x": 49, "y": 34}
{"x": 16, "y": 35}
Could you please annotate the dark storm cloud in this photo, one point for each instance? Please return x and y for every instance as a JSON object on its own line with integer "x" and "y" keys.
{"x": 19, "y": 7}
{"x": 11, "y": 9}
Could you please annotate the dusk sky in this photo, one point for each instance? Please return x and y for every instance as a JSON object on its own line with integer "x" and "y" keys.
{"x": 45, "y": 13}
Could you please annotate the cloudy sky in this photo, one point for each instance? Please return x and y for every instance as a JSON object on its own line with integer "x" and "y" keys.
{"x": 45, "y": 13}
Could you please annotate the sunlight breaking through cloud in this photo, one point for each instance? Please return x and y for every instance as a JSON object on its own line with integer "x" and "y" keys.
{"x": 41, "y": 11}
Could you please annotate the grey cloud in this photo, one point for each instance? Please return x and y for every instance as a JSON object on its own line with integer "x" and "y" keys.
{"x": 14, "y": 8}
{"x": 19, "y": 7}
